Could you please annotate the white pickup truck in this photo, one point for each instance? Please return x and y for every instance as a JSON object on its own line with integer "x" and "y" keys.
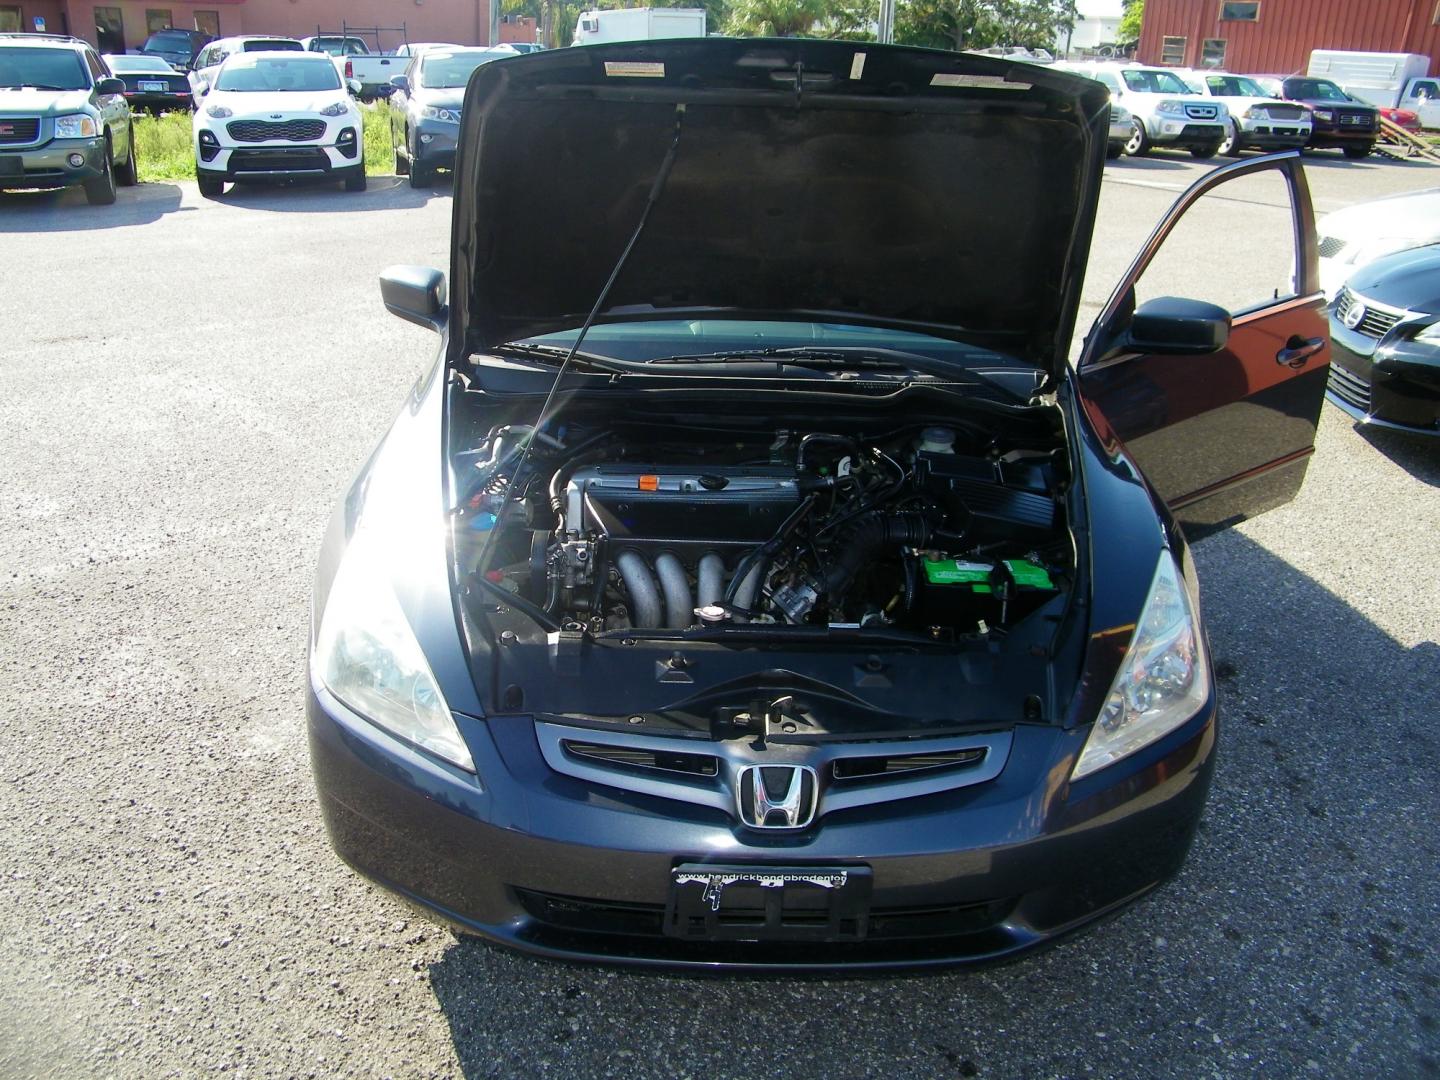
{"x": 1386, "y": 80}
{"x": 357, "y": 64}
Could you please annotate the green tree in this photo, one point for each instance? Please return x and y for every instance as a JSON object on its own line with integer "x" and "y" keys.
{"x": 1129, "y": 32}
{"x": 775, "y": 18}
{"x": 977, "y": 24}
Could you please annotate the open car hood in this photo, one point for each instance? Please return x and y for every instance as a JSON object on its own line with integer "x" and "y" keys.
{"x": 834, "y": 181}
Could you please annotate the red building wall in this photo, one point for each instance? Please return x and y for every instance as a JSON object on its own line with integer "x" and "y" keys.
{"x": 464, "y": 22}
{"x": 1282, "y": 38}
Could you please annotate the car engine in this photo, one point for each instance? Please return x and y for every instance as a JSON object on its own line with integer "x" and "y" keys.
{"x": 932, "y": 530}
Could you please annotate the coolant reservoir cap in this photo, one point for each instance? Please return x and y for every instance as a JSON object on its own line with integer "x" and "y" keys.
{"x": 937, "y": 440}
{"x": 712, "y": 613}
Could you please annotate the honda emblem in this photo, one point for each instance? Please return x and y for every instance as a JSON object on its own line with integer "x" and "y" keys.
{"x": 777, "y": 796}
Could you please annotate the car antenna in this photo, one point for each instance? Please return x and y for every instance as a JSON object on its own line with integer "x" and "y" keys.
{"x": 661, "y": 177}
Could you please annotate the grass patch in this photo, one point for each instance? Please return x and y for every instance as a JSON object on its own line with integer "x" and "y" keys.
{"x": 167, "y": 151}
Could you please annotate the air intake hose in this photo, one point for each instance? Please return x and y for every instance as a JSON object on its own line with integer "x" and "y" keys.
{"x": 871, "y": 534}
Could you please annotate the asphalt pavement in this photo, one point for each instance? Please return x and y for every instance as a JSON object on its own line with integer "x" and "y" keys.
{"x": 185, "y": 388}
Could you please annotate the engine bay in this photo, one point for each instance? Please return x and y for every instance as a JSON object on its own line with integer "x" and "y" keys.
{"x": 924, "y": 530}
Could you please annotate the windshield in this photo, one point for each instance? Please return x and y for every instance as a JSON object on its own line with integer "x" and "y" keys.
{"x": 642, "y": 341}
{"x": 1314, "y": 90}
{"x": 1234, "y": 86}
{"x": 272, "y": 45}
{"x": 440, "y": 69}
{"x": 1154, "y": 82}
{"x": 137, "y": 64}
{"x": 265, "y": 74}
{"x": 47, "y": 69}
{"x": 168, "y": 41}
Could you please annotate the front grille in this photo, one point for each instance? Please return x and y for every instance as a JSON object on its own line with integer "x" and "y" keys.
{"x": 633, "y": 757}
{"x": 23, "y": 130}
{"x": 1201, "y": 112}
{"x": 1376, "y": 321}
{"x": 254, "y": 131}
{"x": 1330, "y": 246}
{"x": 894, "y": 764}
{"x": 1356, "y": 119}
{"x": 1350, "y": 387}
{"x": 279, "y": 160}
{"x": 1285, "y": 112}
{"x": 648, "y": 920}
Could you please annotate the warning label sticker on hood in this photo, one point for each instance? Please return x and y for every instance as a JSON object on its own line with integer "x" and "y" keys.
{"x": 993, "y": 82}
{"x": 635, "y": 69}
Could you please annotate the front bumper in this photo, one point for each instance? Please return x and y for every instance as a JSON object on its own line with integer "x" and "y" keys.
{"x": 1333, "y": 137}
{"x": 1274, "y": 134}
{"x": 1389, "y": 383}
{"x": 564, "y": 868}
{"x": 435, "y": 144}
{"x": 221, "y": 156}
{"x": 1174, "y": 131}
{"x": 48, "y": 165}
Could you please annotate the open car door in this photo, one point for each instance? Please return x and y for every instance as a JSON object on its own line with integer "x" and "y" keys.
{"x": 1217, "y": 403}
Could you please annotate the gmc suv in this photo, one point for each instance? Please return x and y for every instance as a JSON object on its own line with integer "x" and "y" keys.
{"x": 63, "y": 118}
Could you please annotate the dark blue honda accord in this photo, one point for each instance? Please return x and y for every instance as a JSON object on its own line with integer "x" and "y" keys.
{"x": 752, "y": 582}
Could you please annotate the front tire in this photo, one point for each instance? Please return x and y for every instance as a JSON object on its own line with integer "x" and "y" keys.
{"x": 128, "y": 175}
{"x": 1230, "y": 145}
{"x": 420, "y": 173}
{"x": 1358, "y": 153}
{"x": 101, "y": 190}
{"x": 210, "y": 187}
{"x": 1203, "y": 152}
{"x": 356, "y": 181}
{"x": 1139, "y": 142}
{"x": 402, "y": 163}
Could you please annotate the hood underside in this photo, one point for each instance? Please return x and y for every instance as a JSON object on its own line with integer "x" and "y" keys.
{"x": 843, "y": 181}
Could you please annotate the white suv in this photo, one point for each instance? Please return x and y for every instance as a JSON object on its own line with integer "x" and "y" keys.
{"x": 278, "y": 116}
{"x": 1164, "y": 112}
{"x": 1256, "y": 118}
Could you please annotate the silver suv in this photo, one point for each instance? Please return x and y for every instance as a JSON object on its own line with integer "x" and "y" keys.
{"x": 1165, "y": 113}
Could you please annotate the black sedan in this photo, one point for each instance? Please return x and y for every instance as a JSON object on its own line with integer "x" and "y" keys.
{"x": 752, "y": 582}
{"x": 151, "y": 83}
{"x": 1385, "y": 333}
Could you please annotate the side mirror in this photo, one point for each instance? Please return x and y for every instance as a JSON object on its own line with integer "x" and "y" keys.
{"x": 108, "y": 87}
{"x": 1173, "y": 326}
{"x": 416, "y": 294}
{"x": 401, "y": 83}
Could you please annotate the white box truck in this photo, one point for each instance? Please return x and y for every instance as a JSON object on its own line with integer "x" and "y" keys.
{"x": 1388, "y": 80}
{"x": 638, "y": 24}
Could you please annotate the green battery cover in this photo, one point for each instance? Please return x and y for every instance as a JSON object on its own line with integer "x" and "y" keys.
{"x": 1029, "y": 575}
{"x": 957, "y": 572}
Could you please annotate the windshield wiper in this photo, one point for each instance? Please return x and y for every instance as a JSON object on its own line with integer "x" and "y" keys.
{"x": 852, "y": 356}
{"x": 560, "y": 352}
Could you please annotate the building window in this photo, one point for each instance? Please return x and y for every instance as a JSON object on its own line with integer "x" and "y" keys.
{"x": 158, "y": 19}
{"x": 208, "y": 22}
{"x": 10, "y": 19}
{"x": 1172, "y": 51}
{"x": 1240, "y": 11}
{"x": 1212, "y": 53}
{"x": 109, "y": 30}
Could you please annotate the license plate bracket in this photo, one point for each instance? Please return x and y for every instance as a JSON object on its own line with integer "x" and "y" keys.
{"x": 12, "y": 165}
{"x": 154, "y": 87}
{"x": 732, "y": 902}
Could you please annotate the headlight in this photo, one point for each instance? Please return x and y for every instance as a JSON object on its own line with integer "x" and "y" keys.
{"x": 1255, "y": 112}
{"x": 1170, "y": 108}
{"x": 450, "y": 116}
{"x": 219, "y": 112}
{"x": 367, "y": 655}
{"x": 1430, "y": 335}
{"x": 1324, "y": 114}
{"x": 1163, "y": 681}
{"x": 340, "y": 108}
{"x": 75, "y": 126}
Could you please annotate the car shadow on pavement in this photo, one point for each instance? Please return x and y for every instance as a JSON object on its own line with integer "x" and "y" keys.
{"x": 1419, "y": 455}
{"x": 1294, "y": 936}
{"x": 67, "y": 211}
{"x": 382, "y": 193}
{"x": 1150, "y": 163}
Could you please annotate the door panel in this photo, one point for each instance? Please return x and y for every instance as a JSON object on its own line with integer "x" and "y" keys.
{"x": 1227, "y": 435}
